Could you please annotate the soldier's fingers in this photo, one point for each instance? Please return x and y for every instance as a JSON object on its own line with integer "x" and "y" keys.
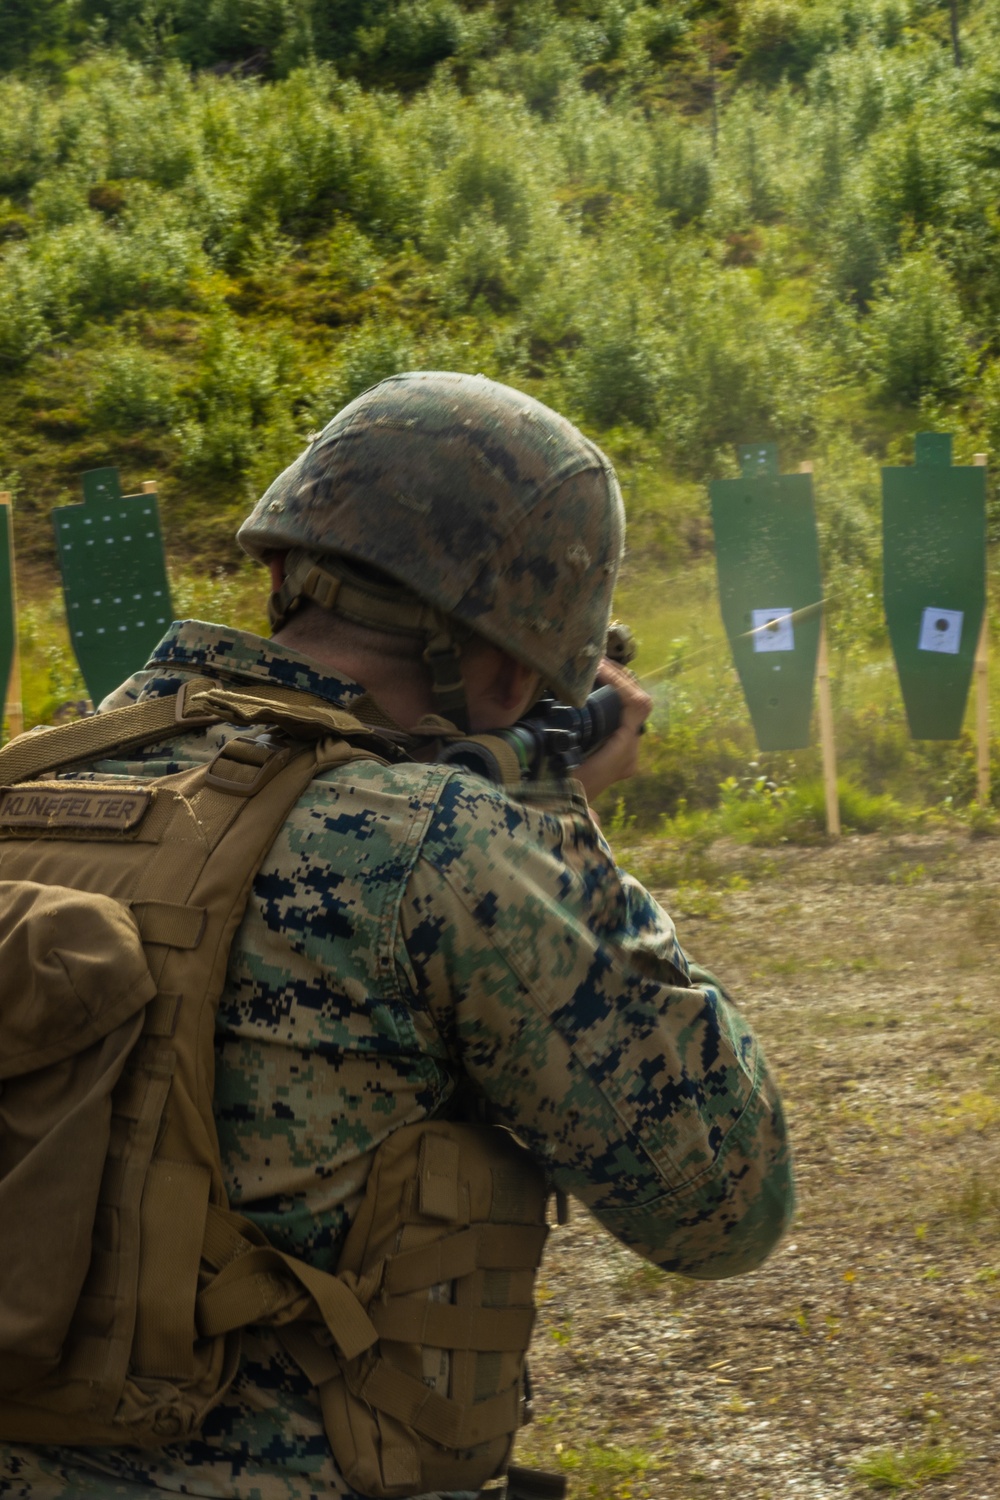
{"x": 636, "y": 702}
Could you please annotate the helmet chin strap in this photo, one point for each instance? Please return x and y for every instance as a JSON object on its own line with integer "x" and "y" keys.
{"x": 333, "y": 584}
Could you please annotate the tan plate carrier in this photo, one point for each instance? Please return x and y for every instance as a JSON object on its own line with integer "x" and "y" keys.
{"x": 126, "y": 1277}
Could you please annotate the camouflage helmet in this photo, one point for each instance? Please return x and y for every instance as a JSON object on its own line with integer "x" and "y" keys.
{"x": 487, "y": 506}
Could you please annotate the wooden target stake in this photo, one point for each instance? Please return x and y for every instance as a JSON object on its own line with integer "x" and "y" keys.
{"x": 827, "y": 742}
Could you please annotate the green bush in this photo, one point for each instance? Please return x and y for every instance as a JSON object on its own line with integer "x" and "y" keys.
{"x": 489, "y": 178}
{"x": 412, "y": 35}
{"x": 767, "y": 814}
{"x": 478, "y": 266}
{"x": 28, "y": 133}
{"x": 353, "y": 257}
{"x": 748, "y": 183}
{"x": 680, "y": 172}
{"x": 916, "y": 334}
{"x": 619, "y": 373}
{"x": 148, "y": 262}
{"x": 26, "y": 299}
{"x": 132, "y": 390}
{"x": 782, "y": 37}
{"x": 239, "y": 388}
{"x": 299, "y": 153}
{"x": 541, "y": 75}
{"x": 36, "y": 32}
{"x": 735, "y": 366}
{"x": 368, "y": 354}
{"x": 856, "y": 247}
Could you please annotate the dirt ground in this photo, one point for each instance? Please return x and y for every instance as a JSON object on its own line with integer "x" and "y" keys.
{"x": 863, "y": 1357}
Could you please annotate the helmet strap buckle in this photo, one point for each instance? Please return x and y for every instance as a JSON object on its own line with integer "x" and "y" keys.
{"x": 444, "y": 662}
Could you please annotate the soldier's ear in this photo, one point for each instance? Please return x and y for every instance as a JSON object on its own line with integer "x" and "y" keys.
{"x": 498, "y": 688}
{"x": 276, "y": 562}
{"x": 515, "y": 686}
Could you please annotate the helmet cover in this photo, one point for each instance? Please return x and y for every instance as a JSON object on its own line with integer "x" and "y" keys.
{"x": 486, "y": 504}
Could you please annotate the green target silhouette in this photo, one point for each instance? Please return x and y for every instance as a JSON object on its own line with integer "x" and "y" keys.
{"x": 770, "y": 593}
{"x": 114, "y": 580}
{"x": 934, "y": 582}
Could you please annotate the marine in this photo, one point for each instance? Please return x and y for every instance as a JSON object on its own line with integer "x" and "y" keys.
{"x": 421, "y": 944}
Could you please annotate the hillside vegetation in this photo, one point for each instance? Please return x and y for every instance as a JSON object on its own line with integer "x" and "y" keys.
{"x": 686, "y": 225}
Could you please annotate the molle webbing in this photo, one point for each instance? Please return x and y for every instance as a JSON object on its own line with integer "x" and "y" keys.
{"x": 440, "y": 1260}
{"x": 443, "y": 1254}
{"x": 183, "y": 867}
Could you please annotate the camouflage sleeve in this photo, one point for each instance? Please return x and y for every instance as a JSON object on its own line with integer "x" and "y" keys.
{"x": 557, "y": 985}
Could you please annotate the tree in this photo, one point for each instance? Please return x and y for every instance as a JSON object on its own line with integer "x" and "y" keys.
{"x": 34, "y": 31}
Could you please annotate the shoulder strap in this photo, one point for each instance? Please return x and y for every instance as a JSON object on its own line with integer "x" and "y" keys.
{"x": 201, "y": 701}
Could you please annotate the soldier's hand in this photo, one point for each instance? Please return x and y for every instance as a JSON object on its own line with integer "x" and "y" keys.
{"x": 618, "y": 757}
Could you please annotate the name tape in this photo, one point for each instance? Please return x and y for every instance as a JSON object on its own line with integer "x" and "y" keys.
{"x": 72, "y": 807}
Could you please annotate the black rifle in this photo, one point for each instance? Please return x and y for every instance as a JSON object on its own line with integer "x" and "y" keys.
{"x": 552, "y": 741}
{"x": 554, "y": 738}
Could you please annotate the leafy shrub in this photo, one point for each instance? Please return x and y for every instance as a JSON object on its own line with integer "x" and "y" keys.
{"x": 748, "y": 184}
{"x": 132, "y": 390}
{"x": 916, "y": 335}
{"x": 25, "y": 303}
{"x": 856, "y": 247}
{"x": 680, "y": 171}
{"x": 35, "y": 31}
{"x": 368, "y": 354}
{"x": 618, "y": 373}
{"x": 478, "y": 266}
{"x": 87, "y": 269}
{"x": 411, "y": 35}
{"x": 300, "y": 152}
{"x": 734, "y": 365}
{"x": 389, "y": 167}
{"x": 210, "y": 31}
{"x": 28, "y": 134}
{"x": 780, "y": 37}
{"x": 237, "y": 391}
{"x": 489, "y": 178}
{"x": 913, "y": 174}
{"x": 542, "y": 75}
{"x": 353, "y": 257}
{"x": 148, "y": 262}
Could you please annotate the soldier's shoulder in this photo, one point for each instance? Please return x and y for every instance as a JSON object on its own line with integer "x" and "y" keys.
{"x": 482, "y": 826}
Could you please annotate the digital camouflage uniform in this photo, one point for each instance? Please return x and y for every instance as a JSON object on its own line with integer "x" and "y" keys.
{"x": 413, "y": 931}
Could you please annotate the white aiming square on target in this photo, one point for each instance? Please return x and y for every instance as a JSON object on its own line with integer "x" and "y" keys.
{"x": 941, "y": 630}
{"x": 772, "y": 630}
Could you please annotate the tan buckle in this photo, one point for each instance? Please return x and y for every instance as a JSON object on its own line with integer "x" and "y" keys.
{"x": 192, "y": 720}
{"x": 245, "y": 751}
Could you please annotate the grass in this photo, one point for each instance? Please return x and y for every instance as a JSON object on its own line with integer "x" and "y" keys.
{"x": 907, "y": 1468}
{"x": 597, "y": 1469}
{"x": 51, "y": 683}
{"x": 608, "y": 1471}
{"x": 975, "y": 1110}
{"x": 638, "y": 1279}
{"x": 684, "y": 851}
